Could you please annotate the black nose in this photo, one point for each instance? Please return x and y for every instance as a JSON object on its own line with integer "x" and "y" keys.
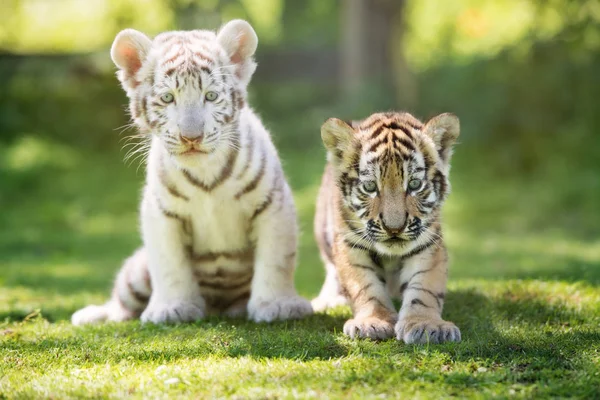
{"x": 394, "y": 230}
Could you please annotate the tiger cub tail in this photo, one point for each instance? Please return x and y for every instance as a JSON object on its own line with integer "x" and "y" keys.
{"x": 130, "y": 295}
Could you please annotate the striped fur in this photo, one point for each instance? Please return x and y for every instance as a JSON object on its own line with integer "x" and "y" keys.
{"x": 378, "y": 224}
{"x": 217, "y": 216}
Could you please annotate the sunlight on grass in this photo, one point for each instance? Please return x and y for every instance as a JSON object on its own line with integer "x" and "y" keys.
{"x": 511, "y": 330}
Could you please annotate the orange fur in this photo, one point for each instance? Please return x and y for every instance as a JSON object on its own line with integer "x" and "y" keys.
{"x": 378, "y": 224}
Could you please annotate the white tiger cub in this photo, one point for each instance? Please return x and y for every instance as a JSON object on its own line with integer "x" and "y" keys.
{"x": 217, "y": 216}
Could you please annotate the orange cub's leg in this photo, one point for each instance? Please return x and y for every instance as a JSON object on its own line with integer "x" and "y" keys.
{"x": 362, "y": 282}
{"x": 423, "y": 282}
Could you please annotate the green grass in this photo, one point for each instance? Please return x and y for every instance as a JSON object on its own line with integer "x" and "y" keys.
{"x": 523, "y": 289}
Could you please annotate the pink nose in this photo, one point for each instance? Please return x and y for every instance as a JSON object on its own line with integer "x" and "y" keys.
{"x": 395, "y": 228}
{"x": 190, "y": 139}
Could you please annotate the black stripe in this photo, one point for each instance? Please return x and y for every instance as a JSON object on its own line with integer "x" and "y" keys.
{"x": 145, "y": 110}
{"x": 257, "y": 178}
{"x": 428, "y": 204}
{"x": 355, "y": 246}
{"x": 139, "y": 297}
{"x": 405, "y": 130}
{"x": 375, "y": 258}
{"x": 417, "y": 250}
{"x": 185, "y": 223}
{"x": 364, "y": 126}
{"x": 347, "y": 218}
{"x": 168, "y": 213}
{"x": 377, "y": 132}
{"x": 355, "y": 161}
{"x": 235, "y": 300}
{"x": 361, "y": 291}
{"x": 394, "y": 125}
{"x": 172, "y": 59}
{"x": 203, "y": 57}
{"x": 263, "y": 206}
{"x": 239, "y": 255}
{"x": 415, "y": 274}
{"x": 224, "y": 175}
{"x": 435, "y": 296}
{"x": 162, "y": 175}
{"x": 225, "y": 285}
{"x": 171, "y": 71}
{"x": 439, "y": 184}
{"x": 269, "y": 199}
{"x": 343, "y": 183}
{"x": 414, "y": 125}
{"x": 378, "y": 142}
{"x": 406, "y": 143}
{"x": 176, "y": 193}
{"x": 418, "y": 302}
{"x": 375, "y": 299}
{"x": 367, "y": 267}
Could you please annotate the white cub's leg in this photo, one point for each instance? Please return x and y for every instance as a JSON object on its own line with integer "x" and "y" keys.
{"x": 273, "y": 294}
{"x": 175, "y": 292}
{"x": 330, "y": 295}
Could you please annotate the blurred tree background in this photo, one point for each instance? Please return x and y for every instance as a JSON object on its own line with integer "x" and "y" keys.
{"x": 522, "y": 75}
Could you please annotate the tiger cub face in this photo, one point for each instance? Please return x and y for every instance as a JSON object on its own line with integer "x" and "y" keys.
{"x": 392, "y": 172}
{"x": 187, "y": 87}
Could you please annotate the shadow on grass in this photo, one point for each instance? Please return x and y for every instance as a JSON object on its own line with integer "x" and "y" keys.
{"x": 541, "y": 347}
{"x": 319, "y": 337}
{"x": 307, "y": 339}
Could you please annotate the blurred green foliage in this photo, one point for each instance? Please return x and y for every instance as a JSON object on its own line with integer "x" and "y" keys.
{"x": 522, "y": 223}
{"x": 521, "y": 75}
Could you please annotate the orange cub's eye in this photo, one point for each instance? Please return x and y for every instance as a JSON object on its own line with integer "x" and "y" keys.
{"x": 414, "y": 184}
{"x": 370, "y": 186}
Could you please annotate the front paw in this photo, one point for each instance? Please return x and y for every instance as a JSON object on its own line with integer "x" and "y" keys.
{"x": 422, "y": 330}
{"x": 370, "y": 327}
{"x": 173, "y": 311}
{"x": 290, "y": 307}
{"x": 323, "y": 303}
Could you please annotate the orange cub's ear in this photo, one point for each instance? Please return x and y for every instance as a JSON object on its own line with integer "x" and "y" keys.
{"x": 338, "y": 138}
{"x": 443, "y": 130}
{"x": 239, "y": 41}
{"x": 128, "y": 52}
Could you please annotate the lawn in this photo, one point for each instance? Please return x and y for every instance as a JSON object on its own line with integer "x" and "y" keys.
{"x": 523, "y": 288}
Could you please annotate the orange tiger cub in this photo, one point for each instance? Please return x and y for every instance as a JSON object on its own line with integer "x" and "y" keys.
{"x": 378, "y": 225}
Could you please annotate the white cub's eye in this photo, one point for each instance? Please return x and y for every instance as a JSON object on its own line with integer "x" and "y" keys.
{"x": 167, "y": 98}
{"x": 370, "y": 186}
{"x": 211, "y": 96}
{"x": 414, "y": 184}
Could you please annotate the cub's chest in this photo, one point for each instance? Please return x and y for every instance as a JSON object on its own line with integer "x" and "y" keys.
{"x": 219, "y": 220}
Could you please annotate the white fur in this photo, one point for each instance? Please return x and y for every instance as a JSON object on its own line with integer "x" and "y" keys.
{"x": 219, "y": 221}
{"x": 227, "y": 220}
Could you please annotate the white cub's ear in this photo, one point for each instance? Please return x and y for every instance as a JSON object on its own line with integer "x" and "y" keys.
{"x": 128, "y": 52}
{"x": 338, "y": 138}
{"x": 443, "y": 130}
{"x": 239, "y": 41}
